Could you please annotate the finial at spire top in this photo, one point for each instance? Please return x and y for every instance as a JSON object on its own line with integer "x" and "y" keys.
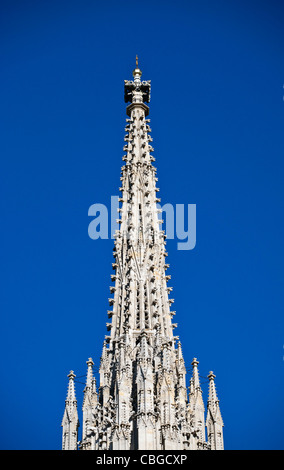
{"x": 90, "y": 362}
{"x": 194, "y": 362}
{"x": 137, "y": 72}
{"x": 71, "y": 375}
{"x": 211, "y": 376}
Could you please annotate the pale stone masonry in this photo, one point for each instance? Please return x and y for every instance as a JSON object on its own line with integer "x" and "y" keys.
{"x": 142, "y": 401}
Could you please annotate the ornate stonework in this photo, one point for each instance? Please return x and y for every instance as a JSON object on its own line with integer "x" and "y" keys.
{"x": 142, "y": 401}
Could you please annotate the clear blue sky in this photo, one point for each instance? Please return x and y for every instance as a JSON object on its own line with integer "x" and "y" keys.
{"x": 216, "y": 112}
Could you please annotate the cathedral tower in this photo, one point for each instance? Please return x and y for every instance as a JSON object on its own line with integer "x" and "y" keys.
{"x": 142, "y": 401}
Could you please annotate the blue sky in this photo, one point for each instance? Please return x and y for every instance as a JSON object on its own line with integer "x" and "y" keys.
{"x": 216, "y": 112}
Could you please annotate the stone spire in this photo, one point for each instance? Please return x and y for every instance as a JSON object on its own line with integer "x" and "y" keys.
{"x": 142, "y": 400}
{"x": 197, "y": 404}
{"x": 214, "y": 421}
{"x": 70, "y": 421}
{"x": 89, "y": 402}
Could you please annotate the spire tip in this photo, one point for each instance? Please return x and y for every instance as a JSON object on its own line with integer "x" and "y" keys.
{"x": 71, "y": 375}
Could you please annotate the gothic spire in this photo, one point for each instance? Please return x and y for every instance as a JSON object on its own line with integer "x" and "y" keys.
{"x": 212, "y": 399}
{"x": 214, "y": 421}
{"x": 142, "y": 401}
{"x": 197, "y": 403}
{"x": 195, "y": 375}
{"x": 71, "y": 402}
{"x": 70, "y": 421}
